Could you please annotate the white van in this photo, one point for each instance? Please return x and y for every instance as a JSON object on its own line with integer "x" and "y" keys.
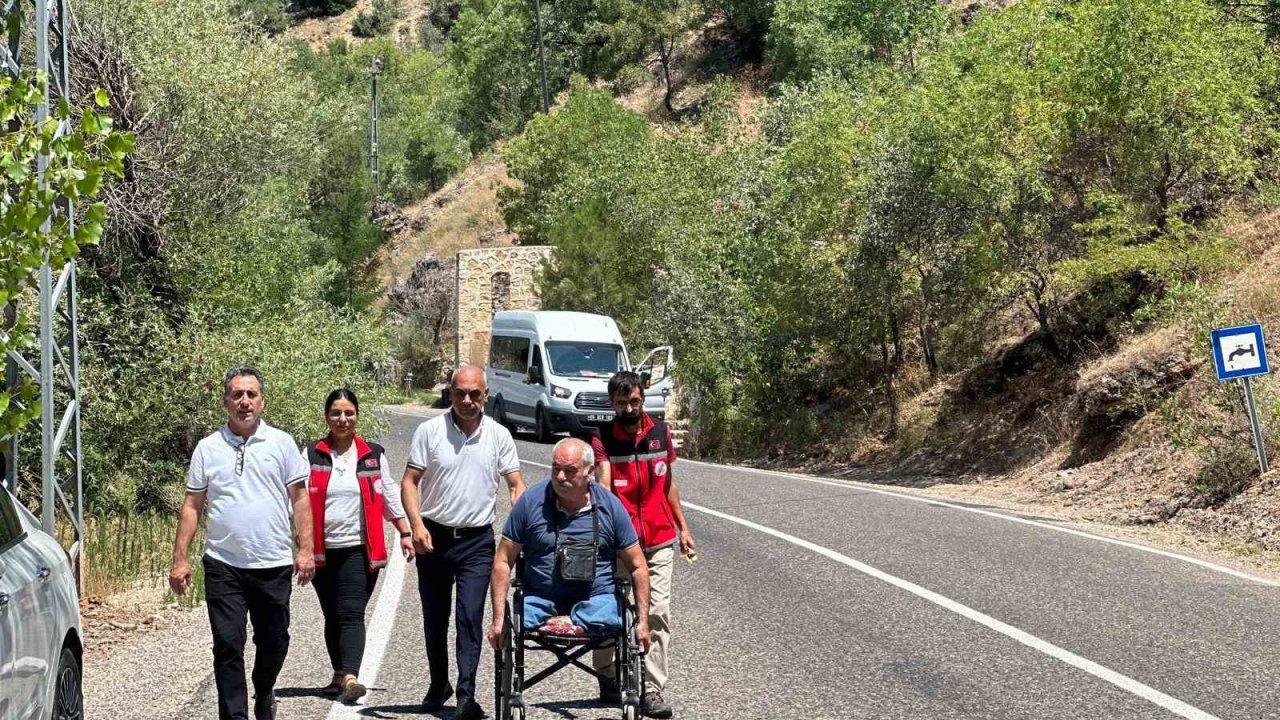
{"x": 550, "y": 370}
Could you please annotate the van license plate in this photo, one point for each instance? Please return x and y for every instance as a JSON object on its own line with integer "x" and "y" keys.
{"x": 600, "y": 418}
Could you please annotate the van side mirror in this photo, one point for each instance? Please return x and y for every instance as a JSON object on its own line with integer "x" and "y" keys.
{"x": 646, "y": 379}
{"x": 535, "y": 375}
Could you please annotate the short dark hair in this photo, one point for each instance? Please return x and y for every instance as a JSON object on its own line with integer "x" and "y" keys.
{"x": 623, "y": 383}
{"x": 341, "y": 394}
{"x": 243, "y": 371}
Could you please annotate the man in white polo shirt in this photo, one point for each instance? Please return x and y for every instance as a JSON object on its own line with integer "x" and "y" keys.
{"x": 455, "y": 463}
{"x": 249, "y": 474}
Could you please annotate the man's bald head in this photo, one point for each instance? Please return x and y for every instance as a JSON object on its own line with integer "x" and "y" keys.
{"x": 471, "y": 375}
{"x": 572, "y": 451}
{"x": 468, "y": 392}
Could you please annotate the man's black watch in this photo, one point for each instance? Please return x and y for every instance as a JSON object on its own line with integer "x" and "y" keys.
{"x": 406, "y": 534}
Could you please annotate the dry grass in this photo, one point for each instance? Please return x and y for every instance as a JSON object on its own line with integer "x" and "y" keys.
{"x": 129, "y": 555}
{"x": 1133, "y": 353}
{"x": 317, "y": 32}
{"x": 461, "y": 216}
{"x": 1253, "y": 295}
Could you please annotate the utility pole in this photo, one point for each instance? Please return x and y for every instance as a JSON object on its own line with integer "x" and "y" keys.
{"x": 542, "y": 56}
{"x": 375, "y": 66}
{"x": 56, "y": 369}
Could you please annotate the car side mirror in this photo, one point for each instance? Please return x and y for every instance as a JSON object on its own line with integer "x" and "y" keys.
{"x": 535, "y": 375}
{"x": 646, "y": 378}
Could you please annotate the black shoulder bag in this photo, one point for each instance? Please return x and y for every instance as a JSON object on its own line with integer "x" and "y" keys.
{"x": 576, "y": 557}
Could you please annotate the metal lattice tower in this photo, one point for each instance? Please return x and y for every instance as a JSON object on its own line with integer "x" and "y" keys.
{"x": 57, "y": 368}
{"x": 375, "y": 67}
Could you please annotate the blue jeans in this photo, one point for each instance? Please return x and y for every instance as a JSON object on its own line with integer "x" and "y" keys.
{"x": 598, "y": 614}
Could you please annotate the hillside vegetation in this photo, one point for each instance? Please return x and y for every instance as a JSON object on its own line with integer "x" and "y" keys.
{"x": 985, "y": 242}
{"x": 938, "y": 238}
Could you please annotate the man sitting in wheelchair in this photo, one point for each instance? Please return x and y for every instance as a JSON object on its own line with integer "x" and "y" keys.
{"x": 565, "y": 535}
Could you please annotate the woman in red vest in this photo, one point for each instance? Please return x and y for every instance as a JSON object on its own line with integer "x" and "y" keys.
{"x": 352, "y": 492}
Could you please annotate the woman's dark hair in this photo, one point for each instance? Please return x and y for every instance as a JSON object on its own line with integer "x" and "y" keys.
{"x": 341, "y": 394}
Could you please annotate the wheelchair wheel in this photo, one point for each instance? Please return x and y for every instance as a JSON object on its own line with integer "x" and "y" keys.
{"x": 504, "y": 682}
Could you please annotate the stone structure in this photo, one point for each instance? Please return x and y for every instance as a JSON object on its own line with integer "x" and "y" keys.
{"x": 489, "y": 280}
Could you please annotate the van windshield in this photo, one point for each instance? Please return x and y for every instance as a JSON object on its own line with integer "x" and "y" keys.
{"x": 584, "y": 359}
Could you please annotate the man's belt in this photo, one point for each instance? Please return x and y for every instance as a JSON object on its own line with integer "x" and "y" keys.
{"x": 436, "y": 529}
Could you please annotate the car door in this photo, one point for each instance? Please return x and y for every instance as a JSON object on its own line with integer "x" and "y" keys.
{"x": 24, "y": 618}
{"x": 656, "y": 367}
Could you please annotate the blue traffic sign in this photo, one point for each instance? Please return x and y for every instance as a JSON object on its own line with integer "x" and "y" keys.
{"x": 1239, "y": 352}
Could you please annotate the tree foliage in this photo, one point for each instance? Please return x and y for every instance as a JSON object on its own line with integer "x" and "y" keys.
{"x": 35, "y": 228}
{"x": 261, "y": 238}
{"x": 911, "y": 181}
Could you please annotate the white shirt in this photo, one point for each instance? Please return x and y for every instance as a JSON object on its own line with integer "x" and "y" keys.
{"x": 460, "y": 473}
{"x": 245, "y": 485}
{"x": 343, "y": 506}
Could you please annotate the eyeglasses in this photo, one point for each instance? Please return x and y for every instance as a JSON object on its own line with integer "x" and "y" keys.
{"x": 461, "y": 394}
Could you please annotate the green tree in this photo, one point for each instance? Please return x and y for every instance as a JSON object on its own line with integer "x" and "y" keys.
{"x": 35, "y": 229}
{"x": 811, "y": 37}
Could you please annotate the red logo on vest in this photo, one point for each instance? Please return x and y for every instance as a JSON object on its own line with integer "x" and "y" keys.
{"x": 655, "y": 444}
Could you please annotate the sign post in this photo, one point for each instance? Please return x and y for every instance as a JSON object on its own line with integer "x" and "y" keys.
{"x": 1240, "y": 353}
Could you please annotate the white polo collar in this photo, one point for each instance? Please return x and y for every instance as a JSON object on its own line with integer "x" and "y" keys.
{"x": 235, "y": 440}
{"x": 453, "y": 426}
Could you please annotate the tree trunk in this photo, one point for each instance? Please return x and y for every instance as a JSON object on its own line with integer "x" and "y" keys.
{"x": 926, "y": 344}
{"x": 890, "y": 393}
{"x": 666, "y": 50}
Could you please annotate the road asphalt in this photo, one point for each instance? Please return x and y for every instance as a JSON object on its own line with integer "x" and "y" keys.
{"x": 826, "y": 599}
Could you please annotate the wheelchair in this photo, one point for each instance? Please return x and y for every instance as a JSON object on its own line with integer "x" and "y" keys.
{"x": 510, "y": 683}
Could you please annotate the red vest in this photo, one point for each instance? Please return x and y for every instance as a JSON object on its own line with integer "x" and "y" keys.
{"x": 641, "y": 472}
{"x": 368, "y": 477}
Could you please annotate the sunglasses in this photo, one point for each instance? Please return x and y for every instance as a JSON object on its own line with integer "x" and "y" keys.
{"x": 475, "y": 395}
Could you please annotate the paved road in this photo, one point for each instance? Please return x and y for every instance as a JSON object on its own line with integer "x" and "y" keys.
{"x": 826, "y": 599}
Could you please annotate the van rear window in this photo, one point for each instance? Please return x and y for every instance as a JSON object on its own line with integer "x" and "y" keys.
{"x": 583, "y": 359}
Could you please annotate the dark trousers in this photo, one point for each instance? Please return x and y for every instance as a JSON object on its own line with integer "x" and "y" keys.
{"x": 344, "y": 585}
{"x": 231, "y": 593}
{"x": 465, "y": 562}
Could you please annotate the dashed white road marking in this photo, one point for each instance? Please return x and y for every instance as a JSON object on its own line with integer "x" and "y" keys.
{"x": 379, "y": 632}
{"x": 1123, "y": 682}
{"x": 1011, "y": 518}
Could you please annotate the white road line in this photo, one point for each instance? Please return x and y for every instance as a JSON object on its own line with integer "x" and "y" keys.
{"x": 1047, "y": 526}
{"x": 979, "y": 511}
{"x": 1123, "y": 682}
{"x": 379, "y": 632}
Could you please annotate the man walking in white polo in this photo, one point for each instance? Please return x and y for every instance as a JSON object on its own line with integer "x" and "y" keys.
{"x": 455, "y": 463}
{"x": 248, "y": 473}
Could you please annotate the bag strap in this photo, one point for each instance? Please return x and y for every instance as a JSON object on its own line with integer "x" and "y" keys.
{"x": 555, "y": 516}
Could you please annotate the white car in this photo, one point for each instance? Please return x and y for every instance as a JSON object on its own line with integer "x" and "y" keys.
{"x": 40, "y": 637}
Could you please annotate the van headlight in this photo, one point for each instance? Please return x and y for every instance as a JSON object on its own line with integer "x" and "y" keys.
{"x": 559, "y": 392}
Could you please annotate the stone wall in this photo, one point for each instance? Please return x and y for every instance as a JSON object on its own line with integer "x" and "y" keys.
{"x": 489, "y": 280}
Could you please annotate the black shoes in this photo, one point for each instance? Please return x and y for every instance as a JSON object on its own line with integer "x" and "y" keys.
{"x": 610, "y": 693}
{"x": 655, "y": 707}
{"x": 468, "y": 709}
{"x": 434, "y": 701}
{"x": 264, "y": 707}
